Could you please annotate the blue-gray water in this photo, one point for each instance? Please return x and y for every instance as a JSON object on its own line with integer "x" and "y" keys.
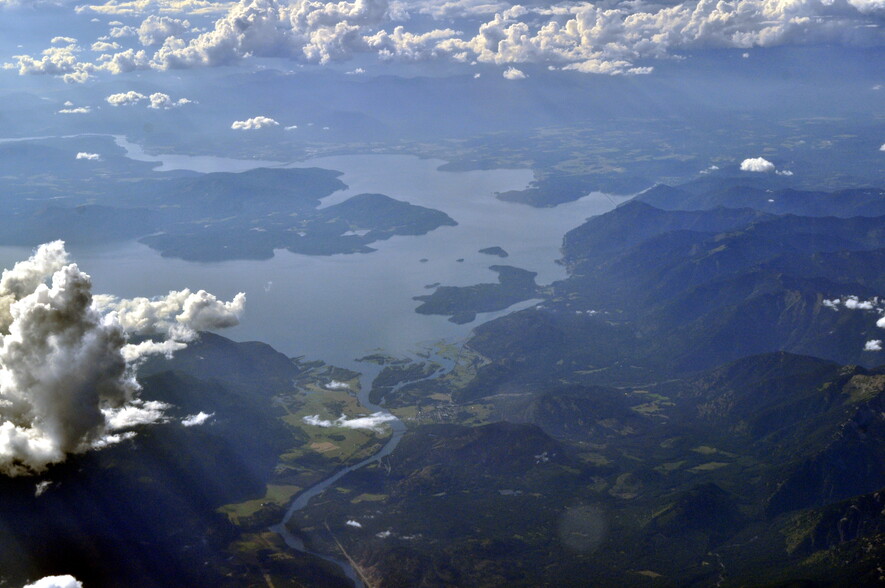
{"x": 339, "y": 307}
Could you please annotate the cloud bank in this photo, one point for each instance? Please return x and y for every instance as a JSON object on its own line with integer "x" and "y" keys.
{"x": 603, "y": 38}
{"x": 67, "y": 381}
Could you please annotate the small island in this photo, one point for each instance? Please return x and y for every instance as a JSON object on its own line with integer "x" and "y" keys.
{"x": 498, "y": 251}
{"x": 462, "y": 303}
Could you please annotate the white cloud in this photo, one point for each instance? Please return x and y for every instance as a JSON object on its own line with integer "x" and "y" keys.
{"x": 163, "y": 101}
{"x": 124, "y": 61}
{"x": 852, "y": 302}
{"x": 111, "y": 439}
{"x": 156, "y": 29}
{"x": 336, "y": 385}
{"x": 757, "y": 165}
{"x": 373, "y": 422}
{"x": 158, "y": 100}
{"x": 255, "y": 123}
{"x": 855, "y": 303}
{"x": 134, "y": 352}
{"x": 196, "y": 420}
{"x": 56, "y": 582}
{"x": 123, "y": 31}
{"x": 62, "y": 40}
{"x": 125, "y": 98}
{"x": 882, "y": 148}
{"x": 784, "y": 172}
{"x": 41, "y": 488}
{"x": 141, "y": 7}
{"x": 178, "y": 315}
{"x": 89, "y": 156}
{"x": 511, "y": 73}
{"x": 135, "y": 413}
{"x": 104, "y": 46}
{"x": 76, "y": 110}
{"x": 66, "y": 385}
{"x": 604, "y": 38}
{"x": 57, "y": 61}
{"x": 352, "y": 523}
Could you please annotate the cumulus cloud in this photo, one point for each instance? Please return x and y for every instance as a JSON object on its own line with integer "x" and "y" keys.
{"x": 64, "y": 62}
{"x": 156, "y": 29}
{"x": 157, "y": 100}
{"x": 66, "y": 385}
{"x": 178, "y": 315}
{"x": 160, "y": 101}
{"x": 135, "y": 413}
{"x": 66, "y": 581}
{"x": 352, "y": 523}
{"x": 57, "y": 61}
{"x": 89, "y": 156}
{"x": 124, "y": 61}
{"x": 255, "y": 123}
{"x": 757, "y": 165}
{"x": 511, "y": 73}
{"x": 125, "y": 98}
{"x": 373, "y": 422}
{"x": 123, "y": 31}
{"x": 874, "y": 304}
{"x": 337, "y": 385}
{"x": 882, "y": 148}
{"x": 602, "y": 38}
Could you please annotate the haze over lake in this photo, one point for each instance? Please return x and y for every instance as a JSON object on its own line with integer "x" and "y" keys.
{"x": 338, "y": 307}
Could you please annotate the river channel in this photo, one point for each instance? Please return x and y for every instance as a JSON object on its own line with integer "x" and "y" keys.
{"x": 368, "y": 373}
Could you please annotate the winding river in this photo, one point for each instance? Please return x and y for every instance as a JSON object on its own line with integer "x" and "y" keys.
{"x": 367, "y": 376}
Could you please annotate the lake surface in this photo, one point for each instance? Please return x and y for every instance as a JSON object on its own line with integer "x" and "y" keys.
{"x": 340, "y": 307}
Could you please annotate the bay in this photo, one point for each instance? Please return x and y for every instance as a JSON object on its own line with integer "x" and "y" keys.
{"x": 340, "y": 307}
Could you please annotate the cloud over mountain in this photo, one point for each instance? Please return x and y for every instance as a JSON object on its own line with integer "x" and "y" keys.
{"x": 67, "y": 380}
{"x": 757, "y": 165}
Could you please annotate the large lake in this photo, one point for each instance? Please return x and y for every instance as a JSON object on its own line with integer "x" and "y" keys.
{"x": 339, "y": 307}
